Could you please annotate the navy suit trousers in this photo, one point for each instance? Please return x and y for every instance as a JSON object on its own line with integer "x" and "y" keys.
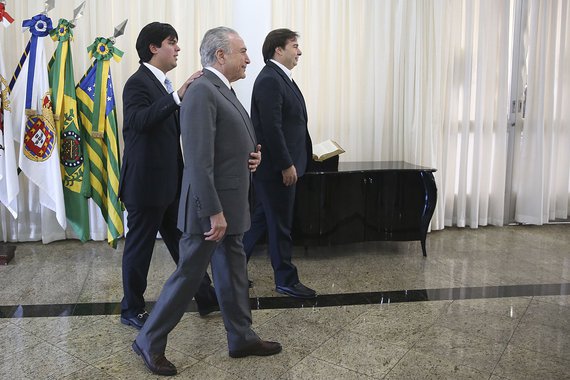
{"x": 273, "y": 213}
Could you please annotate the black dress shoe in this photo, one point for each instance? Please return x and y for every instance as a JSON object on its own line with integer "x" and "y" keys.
{"x": 297, "y": 291}
{"x": 137, "y": 321}
{"x": 259, "y": 348}
{"x": 156, "y": 363}
{"x": 207, "y": 308}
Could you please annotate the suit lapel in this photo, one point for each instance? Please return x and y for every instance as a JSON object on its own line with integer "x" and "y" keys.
{"x": 153, "y": 79}
{"x": 162, "y": 91}
{"x": 292, "y": 85}
{"x": 226, "y": 93}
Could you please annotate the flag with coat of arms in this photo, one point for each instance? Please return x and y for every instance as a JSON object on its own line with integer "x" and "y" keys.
{"x": 98, "y": 120}
{"x": 9, "y": 183}
{"x": 33, "y": 121}
{"x": 74, "y": 162}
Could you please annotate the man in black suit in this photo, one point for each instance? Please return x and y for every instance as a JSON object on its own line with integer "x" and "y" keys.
{"x": 279, "y": 115}
{"x": 152, "y": 168}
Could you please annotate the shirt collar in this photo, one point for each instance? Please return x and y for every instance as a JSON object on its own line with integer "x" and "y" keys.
{"x": 157, "y": 72}
{"x": 287, "y": 72}
{"x": 220, "y": 75}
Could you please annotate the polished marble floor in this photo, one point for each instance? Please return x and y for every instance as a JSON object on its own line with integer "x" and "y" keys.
{"x": 487, "y": 303}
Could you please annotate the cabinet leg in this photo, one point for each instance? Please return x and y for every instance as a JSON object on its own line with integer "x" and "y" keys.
{"x": 424, "y": 247}
{"x": 430, "y": 193}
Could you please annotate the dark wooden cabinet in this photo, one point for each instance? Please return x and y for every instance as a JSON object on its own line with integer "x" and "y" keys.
{"x": 364, "y": 201}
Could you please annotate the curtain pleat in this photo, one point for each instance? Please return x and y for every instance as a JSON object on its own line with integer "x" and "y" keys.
{"x": 542, "y": 163}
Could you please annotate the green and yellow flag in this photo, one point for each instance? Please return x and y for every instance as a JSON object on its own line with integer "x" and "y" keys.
{"x": 98, "y": 120}
{"x": 74, "y": 163}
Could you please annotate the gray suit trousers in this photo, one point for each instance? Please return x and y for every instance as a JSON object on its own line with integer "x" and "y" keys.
{"x": 229, "y": 270}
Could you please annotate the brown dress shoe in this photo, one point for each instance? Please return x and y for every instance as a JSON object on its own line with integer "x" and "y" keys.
{"x": 259, "y": 348}
{"x": 156, "y": 363}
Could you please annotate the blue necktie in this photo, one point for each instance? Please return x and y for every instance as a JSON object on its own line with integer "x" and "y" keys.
{"x": 168, "y": 85}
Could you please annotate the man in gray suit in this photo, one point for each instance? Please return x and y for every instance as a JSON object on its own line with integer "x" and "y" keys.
{"x": 220, "y": 153}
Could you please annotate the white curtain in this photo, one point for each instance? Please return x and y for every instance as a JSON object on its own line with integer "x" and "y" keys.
{"x": 542, "y": 160}
{"x": 422, "y": 81}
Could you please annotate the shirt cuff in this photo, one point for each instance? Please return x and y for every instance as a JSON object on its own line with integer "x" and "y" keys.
{"x": 176, "y": 98}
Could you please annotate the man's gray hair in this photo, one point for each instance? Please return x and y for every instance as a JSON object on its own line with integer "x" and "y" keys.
{"x": 215, "y": 39}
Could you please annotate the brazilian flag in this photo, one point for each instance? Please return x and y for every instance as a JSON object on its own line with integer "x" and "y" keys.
{"x": 98, "y": 120}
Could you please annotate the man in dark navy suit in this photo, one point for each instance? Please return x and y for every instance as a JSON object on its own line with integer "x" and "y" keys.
{"x": 279, "y": 115}
{"x": 152, "y": 168}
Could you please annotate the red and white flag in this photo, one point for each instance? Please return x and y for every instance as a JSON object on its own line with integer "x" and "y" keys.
{"x": 9, "y": 185}
{"x": 4, "y": 16}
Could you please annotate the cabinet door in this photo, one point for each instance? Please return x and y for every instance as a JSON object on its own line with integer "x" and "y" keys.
{"x": 307, "y": 214}
{"x": 329, "y": 209}
{"x": 343, "y": 208}
{"x": 394, "y": 204}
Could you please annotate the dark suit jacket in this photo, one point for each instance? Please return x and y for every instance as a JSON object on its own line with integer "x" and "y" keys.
{"x": 217, "y": 136}
{"x": 279, "y": 117}
{"x": 152, "y": 158}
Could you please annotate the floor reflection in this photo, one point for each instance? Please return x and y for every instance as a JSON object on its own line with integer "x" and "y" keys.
{"x": 325, "y": 300}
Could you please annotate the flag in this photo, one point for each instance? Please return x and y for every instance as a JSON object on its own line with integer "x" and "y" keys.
{"x": 9, "y": 185}
{"x": 5, "y": 18}
{"x": 76, "y": 187}
{"x": 32, "y": 118}
{"x": 98, "y": 120}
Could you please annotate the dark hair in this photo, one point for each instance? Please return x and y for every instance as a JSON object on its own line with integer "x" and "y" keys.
{"x": 153, "y": 34}
{"x": 276, "y": 38}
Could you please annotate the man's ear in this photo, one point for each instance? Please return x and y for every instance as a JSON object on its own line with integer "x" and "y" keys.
{"x": 153, "y": 48}
{"x": 220, "y": 56}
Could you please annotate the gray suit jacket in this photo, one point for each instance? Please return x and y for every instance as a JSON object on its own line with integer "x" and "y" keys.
{"x": 217, "y": 138}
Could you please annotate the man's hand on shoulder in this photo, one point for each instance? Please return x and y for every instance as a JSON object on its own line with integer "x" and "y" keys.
{"x": 182, "y": 90}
